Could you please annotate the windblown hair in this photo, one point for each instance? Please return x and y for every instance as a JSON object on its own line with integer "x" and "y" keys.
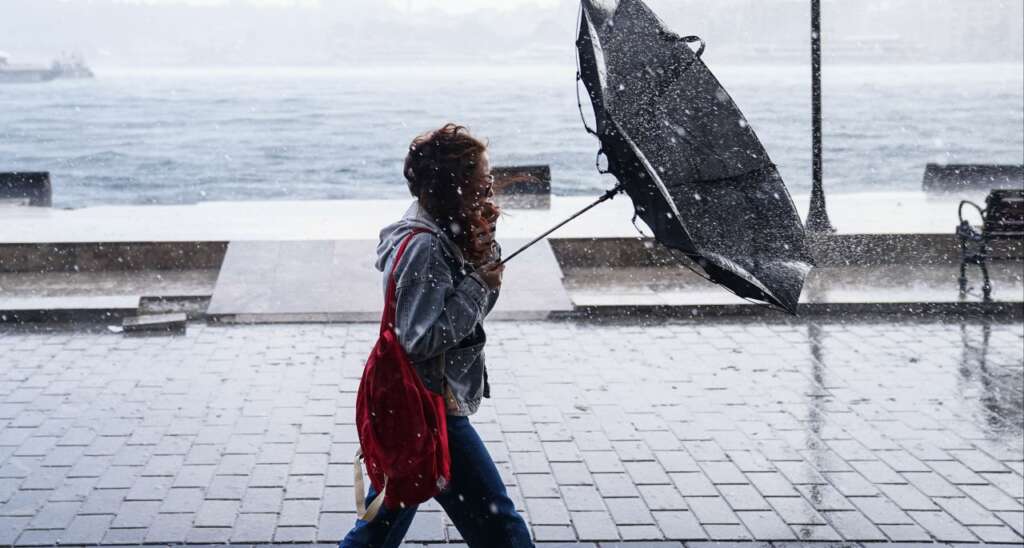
{"x": 443, "y": 170}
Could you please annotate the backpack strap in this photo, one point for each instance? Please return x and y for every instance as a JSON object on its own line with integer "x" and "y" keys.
{"x": 387, "y": 319}
{"x": 362, "y": 512}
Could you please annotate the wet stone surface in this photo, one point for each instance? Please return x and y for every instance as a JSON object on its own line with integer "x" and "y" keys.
{"x": 605, "y": 433}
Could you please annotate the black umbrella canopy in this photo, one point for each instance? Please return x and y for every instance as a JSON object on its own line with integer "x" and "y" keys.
{"x": 696, "y": 172}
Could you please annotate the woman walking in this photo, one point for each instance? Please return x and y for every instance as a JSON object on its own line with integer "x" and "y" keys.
{"x": 447, "y": 281}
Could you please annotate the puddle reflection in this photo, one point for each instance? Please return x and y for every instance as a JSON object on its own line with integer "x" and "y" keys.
{"x": 998, "y": 389}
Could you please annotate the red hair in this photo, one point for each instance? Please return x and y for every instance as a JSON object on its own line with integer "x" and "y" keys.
{"x": 443, "y": 170}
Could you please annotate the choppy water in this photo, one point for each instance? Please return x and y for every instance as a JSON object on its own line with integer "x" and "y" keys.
{"x": 187, "y": 136}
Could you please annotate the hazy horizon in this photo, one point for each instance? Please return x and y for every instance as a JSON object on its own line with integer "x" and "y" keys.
{"x": 238, "y": 33}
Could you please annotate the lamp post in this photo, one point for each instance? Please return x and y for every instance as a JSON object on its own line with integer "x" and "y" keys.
{"x": 817, "y": 216}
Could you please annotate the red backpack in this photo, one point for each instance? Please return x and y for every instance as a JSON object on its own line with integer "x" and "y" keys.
{"x": 403, "y": 428}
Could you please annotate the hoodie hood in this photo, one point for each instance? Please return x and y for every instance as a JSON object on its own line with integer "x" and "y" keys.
{"x": 415, "y": 217}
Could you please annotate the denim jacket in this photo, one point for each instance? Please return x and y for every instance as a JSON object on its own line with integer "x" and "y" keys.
{"x": 440, "y": 307}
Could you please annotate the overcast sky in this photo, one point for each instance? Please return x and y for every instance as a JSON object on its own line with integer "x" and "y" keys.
{"x": 452, "y": 6}
{"x": 347, "y": 32}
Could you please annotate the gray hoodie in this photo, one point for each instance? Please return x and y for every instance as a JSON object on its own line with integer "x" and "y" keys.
{"x": 440, "y": 307}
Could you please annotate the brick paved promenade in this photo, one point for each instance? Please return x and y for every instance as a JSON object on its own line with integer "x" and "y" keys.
{"x": 855, "y": 432}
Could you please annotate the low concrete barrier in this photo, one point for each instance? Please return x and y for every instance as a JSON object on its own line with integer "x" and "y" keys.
{"x": 954, "y": 177}
{"x": 523, "y": 187}
{"x": 111, "y": 257}
{"x": 831, "y": 250}
{"x": 26, "y": 188}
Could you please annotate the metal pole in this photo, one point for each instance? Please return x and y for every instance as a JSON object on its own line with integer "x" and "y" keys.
{"x": 817, "y": 216}
{"x": 604, "y": 198}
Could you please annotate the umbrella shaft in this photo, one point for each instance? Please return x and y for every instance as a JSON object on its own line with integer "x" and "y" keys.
{"x": 607, "y": 196}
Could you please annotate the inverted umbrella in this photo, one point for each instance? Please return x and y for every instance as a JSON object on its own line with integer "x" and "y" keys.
{"x": 683, "y": 152}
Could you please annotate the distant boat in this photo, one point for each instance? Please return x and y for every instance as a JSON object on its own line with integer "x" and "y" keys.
{"x": 68, "y": 66}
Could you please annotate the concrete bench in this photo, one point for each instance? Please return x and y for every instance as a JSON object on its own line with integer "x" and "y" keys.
{"x": 523, "y": 187}
{"x": 26, "y": 188}
{"x": 953, "y": 177}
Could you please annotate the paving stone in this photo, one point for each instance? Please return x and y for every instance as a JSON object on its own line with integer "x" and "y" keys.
{"x": 254, "y": 528}
{"x": 427, "y": 527}
{"x": 712, "y": 510}
{"x": 726, "y": 532}
{"x": 602, "y": 461}
{"x": 561, "y": 451}
{"x": 677, "y": 461}
{"x": 977, "y": 460}
{"x": 530, "y": 463}
{"x": 40, "y": 537}
{"x": 852, "y": 525}
{"x": 877, "y": 472}
{"x": 968, "y": 512}
{"x": 676, "y": 456}
{"x": 852, "y": 484}
{"x": 992, "y": 498}
{"x": 647, "y": 473}
{"x": 815, "y": 533}
{"x": 55, "y": 515}
{"x": 796, "y": 511}
{"x": 932, "y": 484}
{"x": 547, "y": 533}
{"x": 629, "y": 511}
{"x": 905, "y": 533}
{"x": 766, "y": 525}
{"x": 957, "y": 473}
{"x": 1010, "y": 483}
{"x": 743, "y": 497}
{"x": 582, "y": 498}
{"x": 997, "y": 534}
{"x": 943, "y": 527}
{"x": 538, "y": 485}
{"x": 662, "y": 497}
{"x": 295, "y": 534}
{"x": 615, "y": 485}
{"x": 881, "y": 510}
{"x": 547, "y": 511}
{"x": 136, "y": 514}
{"x": 749, "y": 461}
{"x": 208, "y": 535}
{"x": 1014, "y": 519}
{"x": 594, "y": 526}
{"x": 182, "y": 500}
{"x": 679, "y": 525}
{"x": 299, "y": 512}
{"x": 11, "y": 528}
{"x": 334, "y": 526}
{"x": 86, "y": 530}
{"x": 640, "y": 532}
{"x": 694, "y": 484}
{"x": 217, "y": 513}
{"x": 907, "y": 497}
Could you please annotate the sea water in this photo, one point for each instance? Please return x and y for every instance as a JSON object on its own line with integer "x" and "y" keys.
{"x": 189, "y": 135}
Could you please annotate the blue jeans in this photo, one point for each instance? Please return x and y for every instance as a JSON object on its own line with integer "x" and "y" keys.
{"x": 475, "y": 500}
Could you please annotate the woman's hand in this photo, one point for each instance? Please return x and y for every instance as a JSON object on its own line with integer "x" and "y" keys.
{"x": 491, "y": 274}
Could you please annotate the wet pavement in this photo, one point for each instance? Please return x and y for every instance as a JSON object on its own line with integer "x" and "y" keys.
{"x": 862, "y": 431}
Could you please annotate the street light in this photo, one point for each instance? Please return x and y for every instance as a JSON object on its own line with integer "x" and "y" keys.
{"x": 817, "y": 216}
